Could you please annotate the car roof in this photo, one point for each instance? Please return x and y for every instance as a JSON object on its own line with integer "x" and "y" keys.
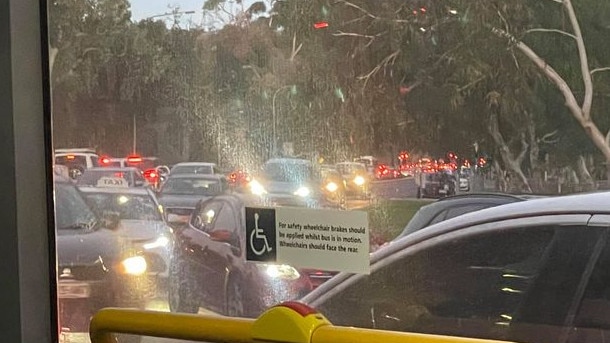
{"x": 117, "y": 169}
{"x": 75, "y": 150}
{"x": 482, "y": 195}
{"x": 584, "y": 203}
{"x": 429, "y": 212}
{"x": 122, "y": 190}
{"x": 288, "y": 160}
{"x": 194, "y": 164}
{"x": 197, "y": 176}
{"x": 353, "y": 163}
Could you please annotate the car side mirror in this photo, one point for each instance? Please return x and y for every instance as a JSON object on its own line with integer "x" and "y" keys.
{"x": 221, "y": 235}
{"x": 111, "y": 219}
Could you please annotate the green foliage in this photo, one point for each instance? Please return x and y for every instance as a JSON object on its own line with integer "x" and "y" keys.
{"x": 382, "y": 77}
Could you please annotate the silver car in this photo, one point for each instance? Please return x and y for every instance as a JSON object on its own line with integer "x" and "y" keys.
{"x": 531, "y": 271}
{"x": 141, "y": 222}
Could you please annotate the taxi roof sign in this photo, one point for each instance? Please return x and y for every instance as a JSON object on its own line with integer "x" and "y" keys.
{"x": 112, "y": 182}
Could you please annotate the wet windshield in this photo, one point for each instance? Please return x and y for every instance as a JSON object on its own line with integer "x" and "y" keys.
{"x": 185, "y": 186}
{"x": 128, "y": 206}
{"x": 411, "y": 102}
{"x": 288, "y": 171}
{"x": 71, "y": 211}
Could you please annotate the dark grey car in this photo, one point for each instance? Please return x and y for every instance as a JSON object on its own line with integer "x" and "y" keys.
{"x": 447, "y": 208}
{"x": 181, "y": 192}
{"x": 535, "y": 271}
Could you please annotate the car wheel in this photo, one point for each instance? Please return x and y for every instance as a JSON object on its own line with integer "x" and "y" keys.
{"x": 181, "y": 295}
{"x": 235, "y": 299}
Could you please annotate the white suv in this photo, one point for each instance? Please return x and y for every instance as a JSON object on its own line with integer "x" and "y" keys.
{"x": 76, "y": 160}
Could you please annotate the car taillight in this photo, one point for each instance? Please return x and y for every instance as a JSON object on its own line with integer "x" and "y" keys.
{"x": 151, "y": 174}
{"x": 104, "y": 160}
{"x": 134, "y": 159}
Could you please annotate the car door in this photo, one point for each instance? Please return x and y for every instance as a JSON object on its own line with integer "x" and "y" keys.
{"x": 483, "y": 282}
{"x": 591, "y": 318}
{"x": 193, "y": 242}
{"x": 220, "y": 253}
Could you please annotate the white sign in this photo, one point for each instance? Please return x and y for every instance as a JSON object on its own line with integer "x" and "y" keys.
{"x": 112, "y": 182}
{"x": 323, "y": 239}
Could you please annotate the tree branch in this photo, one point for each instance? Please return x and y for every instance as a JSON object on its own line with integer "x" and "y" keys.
{"x": 369, "y": 14}
{"x": 599, "y": 69}
{"x": 584, "y": 63}
{"x": 384, "y": 63}
{"x": 295, "y": 49}
{"x": 552, "y": 30}
{"x": 549, "y": 71}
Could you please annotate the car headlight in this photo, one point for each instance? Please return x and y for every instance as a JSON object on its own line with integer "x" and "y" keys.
{"x": 359, "y": 180}
{"x": 279, "y": 271}
{"x": 135, "y": 265}
{"x": 160, "y": 242}
{"x": 302, "y": 191}
{"x": 256, "y": 188}
{"x": 332, "y": 187}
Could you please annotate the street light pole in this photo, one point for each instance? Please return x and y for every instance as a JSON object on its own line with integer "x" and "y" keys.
{"x": 274, "y": 145}
{"x": 134, "y": 133}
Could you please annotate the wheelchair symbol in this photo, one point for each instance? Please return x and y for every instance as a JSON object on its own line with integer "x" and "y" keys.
{"x": 259, "y": 234}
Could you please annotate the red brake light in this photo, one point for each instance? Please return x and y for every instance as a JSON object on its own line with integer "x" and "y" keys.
{"x": 118, "y": 174}
{"x": 134, "y": 159}
{"x": 104, "y": 160}
{"x": 70, "y": 157}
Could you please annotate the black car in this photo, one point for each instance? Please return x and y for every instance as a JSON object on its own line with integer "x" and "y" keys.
{"x": 435, "y": 185}
{"x": 180, "y": 194}
{"x": 96, "y": 268}
{"x": 453, "y": 206}
{"x": 209, "y": 267}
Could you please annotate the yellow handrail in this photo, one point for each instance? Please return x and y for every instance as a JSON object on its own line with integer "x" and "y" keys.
{"x": 286, "y": 323}
{"x": 342, "y": 334}
{"x": 201, "y": 328}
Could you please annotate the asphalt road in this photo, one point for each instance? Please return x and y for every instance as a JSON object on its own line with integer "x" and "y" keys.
{"x": 394, "y": 188}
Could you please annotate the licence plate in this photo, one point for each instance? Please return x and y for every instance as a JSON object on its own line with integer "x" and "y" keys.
{"x": 73, "y": 290}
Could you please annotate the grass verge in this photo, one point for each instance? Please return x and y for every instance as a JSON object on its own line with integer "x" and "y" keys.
{"x": 387, "y": 218}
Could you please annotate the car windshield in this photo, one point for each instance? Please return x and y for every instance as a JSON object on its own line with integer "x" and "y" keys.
{"x": 351, "y": 168}
{"x": 193, "y": 169}
{"x": 71, "y": 211}
{"x": 128, "y": 206}
{"x": 288, "y": 171}
{"x": 191, "y": 186}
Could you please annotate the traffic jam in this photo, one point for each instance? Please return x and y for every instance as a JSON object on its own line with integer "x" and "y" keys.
{"x": 130, "y": 229}
{"x": 132, "y": 232}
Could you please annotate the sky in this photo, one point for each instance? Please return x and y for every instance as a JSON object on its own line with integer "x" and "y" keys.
{"x": 142, "y": 9}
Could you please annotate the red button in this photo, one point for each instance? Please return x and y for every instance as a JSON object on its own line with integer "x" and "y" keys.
{"x": 299, "y": 308}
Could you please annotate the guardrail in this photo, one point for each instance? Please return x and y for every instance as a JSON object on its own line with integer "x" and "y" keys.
{"x": 290, "y": 322}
